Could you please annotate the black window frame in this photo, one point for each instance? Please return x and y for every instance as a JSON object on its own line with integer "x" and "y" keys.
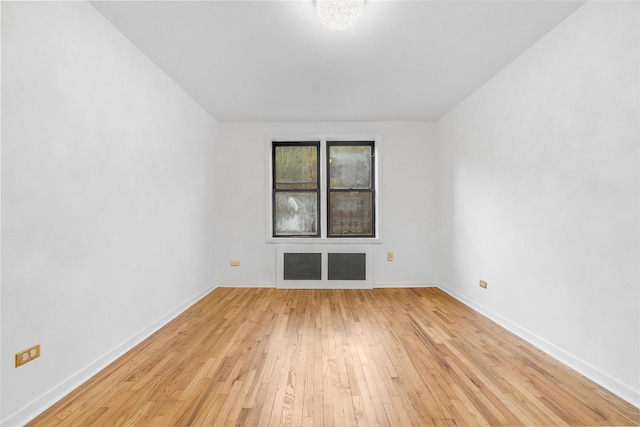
{"x": 371, "y": 189}
{"x": 275, "y": 190}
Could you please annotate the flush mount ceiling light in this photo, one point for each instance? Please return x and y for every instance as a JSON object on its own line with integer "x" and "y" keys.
{"x": 339, "y": 14}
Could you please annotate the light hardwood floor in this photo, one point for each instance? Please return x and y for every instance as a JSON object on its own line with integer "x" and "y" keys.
{"x": 388, "y": 357}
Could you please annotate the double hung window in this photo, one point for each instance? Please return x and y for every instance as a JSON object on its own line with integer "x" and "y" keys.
{"x": 323, "y": 189}
{"x": 350, "y": 190}
{"x": 296, "y": 189}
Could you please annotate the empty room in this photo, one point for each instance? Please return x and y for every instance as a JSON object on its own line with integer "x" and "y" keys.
{"x": 320, "y": 213}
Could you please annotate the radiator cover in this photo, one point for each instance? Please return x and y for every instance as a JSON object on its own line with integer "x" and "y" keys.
{"x": 324, "y": 267}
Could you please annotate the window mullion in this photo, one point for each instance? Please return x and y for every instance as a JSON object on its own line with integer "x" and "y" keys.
{"x": 324, "y": 195}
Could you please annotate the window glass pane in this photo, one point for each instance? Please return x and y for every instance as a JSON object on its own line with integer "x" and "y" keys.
{"x": 296, "y": 167}
{"x": 351, "y": 213}
{"x": 296, "y": 214}
{"x": 350, "y": 166}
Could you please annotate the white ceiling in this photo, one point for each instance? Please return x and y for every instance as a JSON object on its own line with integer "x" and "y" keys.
{"x": 274, "y": 61}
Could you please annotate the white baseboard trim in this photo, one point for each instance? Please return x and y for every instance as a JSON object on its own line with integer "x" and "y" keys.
{"x": 324, "y": 286}
{"x": 375, "y": 285}
{"x": 246, "y": 285}
{"x": 380, "y": 285}
{"x": 616, "y": 387}
{"x": 45, "y": 401}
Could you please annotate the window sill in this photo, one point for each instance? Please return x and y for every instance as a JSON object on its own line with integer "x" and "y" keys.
{"x": 324, "y": 240}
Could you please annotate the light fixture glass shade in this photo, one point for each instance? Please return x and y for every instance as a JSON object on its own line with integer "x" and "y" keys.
{"x": 339, "y": 14}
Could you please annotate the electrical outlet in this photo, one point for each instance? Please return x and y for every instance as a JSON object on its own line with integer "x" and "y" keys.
{"x": 389, "y": 256}
{"x": 235, "y": 263}
{"x": 26, "y": 356}
{"x": 483, "y": 284}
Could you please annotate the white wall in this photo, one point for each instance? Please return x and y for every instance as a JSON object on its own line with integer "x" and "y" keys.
{"x": 106, "y": 199}
{"x": 408, "y": 189}
{"x": 542, "y": 193}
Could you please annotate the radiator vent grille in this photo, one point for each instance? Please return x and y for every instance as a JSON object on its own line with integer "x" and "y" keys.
{"x": 343, "y": 266}
{"x": 302, "y": 266}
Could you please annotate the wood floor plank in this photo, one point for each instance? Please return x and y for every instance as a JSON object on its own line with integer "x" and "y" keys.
{"x": 382, "y": 357}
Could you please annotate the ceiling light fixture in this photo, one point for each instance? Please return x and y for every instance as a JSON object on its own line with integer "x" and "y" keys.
{"x": 339, "y": 14}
